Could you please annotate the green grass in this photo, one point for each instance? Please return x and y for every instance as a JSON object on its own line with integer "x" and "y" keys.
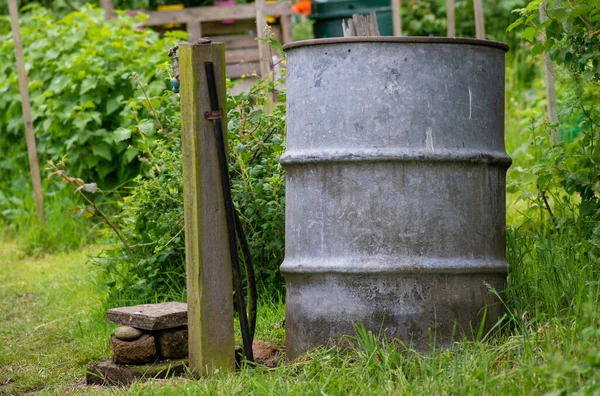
{"x": 52, "y": 325}
{"x": 49, "y": 324}
{"x": 63, "y": 230}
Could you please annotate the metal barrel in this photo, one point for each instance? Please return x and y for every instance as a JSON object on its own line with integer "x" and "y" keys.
{"x": 395, "y": 189}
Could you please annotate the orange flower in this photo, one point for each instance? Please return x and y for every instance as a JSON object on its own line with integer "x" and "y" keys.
{"x": 302, "y": 7}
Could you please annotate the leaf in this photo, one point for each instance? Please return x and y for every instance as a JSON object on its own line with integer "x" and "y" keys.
{"x": 89, "y": 187}
{"x": 112, "y": 105}
{"x": 102, "y": 150}
{"x": 155, "y": 103}
{"x": 529, "y": 34}
{"x": 88, "y": 84}
{"x": 89, "y": 212}
{"x": 130, "y": 154}
{"x": 513, "y": 25}
{"x": 76, "y": 180}
{"x": 146, "y": 127}
{"x": 533, "y": 5}
{"x": 588, "y": 75}
{"x": 122, "y": 134}
{"x": 277, "y": 46}
{"x": 537, "y": 49}
{"x": 587, "y": 208}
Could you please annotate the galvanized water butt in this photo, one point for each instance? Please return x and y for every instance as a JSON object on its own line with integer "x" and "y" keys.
{"x": 395, "y": 188}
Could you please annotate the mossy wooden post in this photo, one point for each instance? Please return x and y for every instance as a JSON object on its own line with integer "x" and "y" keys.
{"x": 209, "y": 282}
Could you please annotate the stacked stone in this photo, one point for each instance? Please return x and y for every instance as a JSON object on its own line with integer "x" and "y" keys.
{"x": 151, "y": 343}
{"x": 149, "y": 333}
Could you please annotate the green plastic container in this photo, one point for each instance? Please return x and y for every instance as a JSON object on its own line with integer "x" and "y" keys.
{"x": 328, "y": 15}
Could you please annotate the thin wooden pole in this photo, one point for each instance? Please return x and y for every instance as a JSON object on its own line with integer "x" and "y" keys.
{"x": 109, "y": 8}
{"x": 208, "y": 262}
{"x": 450, "y": 18}
{"x": 397, "y": 17}
{"x": 25, "y": 104}
{"x": 479, "y": 19}
{"x": 263, "y": 50}
{"x": 550, "y": 82}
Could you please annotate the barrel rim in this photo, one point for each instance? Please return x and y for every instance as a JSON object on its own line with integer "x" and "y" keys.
{"x": 406, "y": 40}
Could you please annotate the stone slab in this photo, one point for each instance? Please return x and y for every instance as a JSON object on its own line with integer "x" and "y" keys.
{"x": 150, "y": 316}
{"x": 108, "y": 373}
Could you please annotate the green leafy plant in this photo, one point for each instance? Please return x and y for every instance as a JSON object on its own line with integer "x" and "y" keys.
{"x": 562, "y": 178}
{"x": 151, "y": 215}
{"x": 79, "y": 79}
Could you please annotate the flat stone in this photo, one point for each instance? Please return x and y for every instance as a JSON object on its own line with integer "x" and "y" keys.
{"x": 150, "y": 316}
{"x": 108, "y": 373}
{"x": 140, "y": 351}
{"x": 172, "y": 343}
{"x": 127, "y": 333}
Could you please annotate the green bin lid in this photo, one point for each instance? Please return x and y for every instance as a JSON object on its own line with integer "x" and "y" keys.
{"x": 331, "y": 9}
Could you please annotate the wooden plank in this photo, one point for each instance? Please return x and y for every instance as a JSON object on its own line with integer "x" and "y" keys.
{"x": 550, "y": 81}
{"x": 213, "y": 14}
{"x": 450, "y": 18}
{"x": 237, "y": 41}
{"x": 242, "y": 55}
{"x": 244, "y": 26}
{"x": 479, "y": 19}
{"x": 208, "y": 262}
{"x": 34, "y": 166}
{"x": 247, "y": 69}
{"x": 397, "y": 17}
{"x": 287, "y": 29}
{"x": 263, "y": 48}
{"x": 194, "y": 30}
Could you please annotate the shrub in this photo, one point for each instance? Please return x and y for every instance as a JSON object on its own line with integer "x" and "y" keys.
{"x": 152, "y": 214}
{"x": 79, "y": 70}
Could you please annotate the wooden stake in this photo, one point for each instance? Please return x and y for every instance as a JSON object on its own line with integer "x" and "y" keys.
{"x": 209, "y": 281}
{"x": 109, "y": 8}
{"x": 25, "y": 104}
{"x": 479, "y": 19}
{"x": 263, "y": 48}
{"x": 450, "y": 18}
{"x": 361, "y": 25}
{"x": 550, "y": 82}
{"x": 397, "y": 17}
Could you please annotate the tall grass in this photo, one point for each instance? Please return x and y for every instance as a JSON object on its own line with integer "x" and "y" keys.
{"x": 63, "y": 230}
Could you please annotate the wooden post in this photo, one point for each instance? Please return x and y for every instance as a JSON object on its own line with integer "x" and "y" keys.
{"x": 263, "y": 49}
{"x": 209, "y": 281}
{"x": 479, "y": 19}
{"x": 287, "y": 28}
{"x": 194, "y": 29}
{"x": 550, "y": 82}
{"x": 450, "y": 18}
{"x": 109, "y": 7}
{"x": 26, "y": 106}
{"x": 397, "y": 17}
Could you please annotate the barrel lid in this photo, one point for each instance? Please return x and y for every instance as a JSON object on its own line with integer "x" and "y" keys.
{"x": 405, "y": 39}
